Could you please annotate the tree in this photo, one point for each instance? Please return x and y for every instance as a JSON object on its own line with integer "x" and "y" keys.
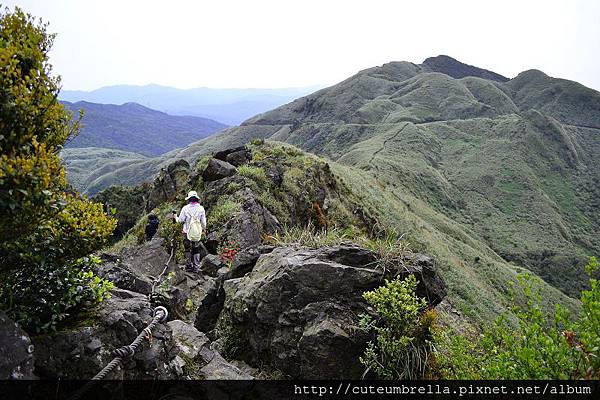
{"x": 46, "y": 229}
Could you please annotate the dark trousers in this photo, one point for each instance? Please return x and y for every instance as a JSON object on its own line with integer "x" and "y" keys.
{"x": 194, "y": 252}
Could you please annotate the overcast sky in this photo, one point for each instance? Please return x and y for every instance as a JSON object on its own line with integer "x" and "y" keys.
{"x": 271, "y": 44}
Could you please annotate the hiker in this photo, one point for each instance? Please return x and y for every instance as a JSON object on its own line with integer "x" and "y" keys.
{"x": 152, "y": 226}
{"x": 193, "y": 217}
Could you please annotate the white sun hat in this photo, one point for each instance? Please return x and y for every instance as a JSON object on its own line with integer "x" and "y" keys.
{"x": 191, "y": 194}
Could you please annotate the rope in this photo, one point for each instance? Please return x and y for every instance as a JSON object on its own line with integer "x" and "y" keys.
{"x": 125, "y": 352}
{"x": 160, "y": 314}
{"x": 122, "y": 353}
{"x": 157, "y": 279}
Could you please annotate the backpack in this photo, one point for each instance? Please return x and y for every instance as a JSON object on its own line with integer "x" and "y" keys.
{"x": 194, "y": 233}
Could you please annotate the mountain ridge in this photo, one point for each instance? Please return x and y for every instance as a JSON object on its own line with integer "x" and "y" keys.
{"x": 229, "y": 105}
{"x": 505, "y": 165}
{"x": 135, "y": 128}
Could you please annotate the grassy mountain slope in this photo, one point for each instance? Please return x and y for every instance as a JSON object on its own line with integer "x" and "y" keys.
{"x": 135, "y": 128}
{"x": 492, "y": 167}
{"x": 85, "y": 164}
{"x": 477, "y": 277}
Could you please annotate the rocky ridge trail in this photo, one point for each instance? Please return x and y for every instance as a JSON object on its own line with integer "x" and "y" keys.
{"x": 274, "y": 310}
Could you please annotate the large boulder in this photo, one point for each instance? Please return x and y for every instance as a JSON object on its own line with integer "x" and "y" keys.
{"x": 298, "y": 311}
{"x": 16, "y": 351}
{"x": 217, "y": 169}
{"x": 81, "y": 352}
{"x": 198, "y": 359}
{"x": 236, "y": 156}
{"x": 430, "y": 284}
{"x": 170, "y": 182}
{"x": 210, "y": 265}
{"x": 247, "y": 225}
{"x": 210, "y": 306}
{"x": 113, "y": 270}
{"x": 145, "y": 261}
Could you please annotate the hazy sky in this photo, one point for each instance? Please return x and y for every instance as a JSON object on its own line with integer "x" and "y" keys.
{"x": 278, "y": 43}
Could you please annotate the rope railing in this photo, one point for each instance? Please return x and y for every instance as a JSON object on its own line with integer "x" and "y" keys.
{"x": 122, "y": 353}
{"x": 160, "y": 314}
{"x": 125, "y": 352}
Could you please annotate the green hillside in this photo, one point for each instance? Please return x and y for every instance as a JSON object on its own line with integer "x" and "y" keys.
{"x": 135, "y": 128}
{"x": 498, "y": 171}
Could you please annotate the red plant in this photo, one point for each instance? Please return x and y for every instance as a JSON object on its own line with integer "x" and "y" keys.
{"x": 228, "y": 252}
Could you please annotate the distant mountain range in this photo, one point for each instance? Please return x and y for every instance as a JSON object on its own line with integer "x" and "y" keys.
{"x": 134, "y": 128}
{"x": 228, "y": 106}
{"x": 470, "y": 164}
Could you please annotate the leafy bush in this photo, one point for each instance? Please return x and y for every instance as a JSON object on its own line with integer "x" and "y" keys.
{"x": 404, "y": 339}
{"x": 540, "y": 347}
{"x": 43, "y": 297}
{"x": 45, "y": 227}
{"x": 172, "y": 233}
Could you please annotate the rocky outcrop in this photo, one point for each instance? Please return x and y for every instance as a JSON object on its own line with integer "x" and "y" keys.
{"x": 298, "y": 311}
{"x": 121, "y": 276}
{"x": 16, "y": 351}
{"x": 210, "y": 265}
{"x": 170, "y": 182}
{"x": 430, "y": 286}
{"x": 247, "y": 225}
{"x": 210, "y": 307}
{"x": 236, "y": 156}
{"x": 196, "y": 357}
{"x": 81, "y": 352}
{"x": 245, "y": 260}
{"x": 217, "y": 169}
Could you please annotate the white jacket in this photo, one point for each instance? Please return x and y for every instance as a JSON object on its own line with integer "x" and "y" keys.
{"x": 187, "y": 212}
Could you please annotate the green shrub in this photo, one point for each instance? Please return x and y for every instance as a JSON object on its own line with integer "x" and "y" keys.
{"x": 172, "y": 233}
{"x": 46, "y": 228}
{"x": 539, "y": 347}
{"x": 43, "y": 297}
{"x": 404, "y": 339}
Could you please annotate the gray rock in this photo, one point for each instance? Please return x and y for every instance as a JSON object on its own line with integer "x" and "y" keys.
{"x": 184, "y": 294}
{"x": 223, "y": 273}
{"x": 124, "y": 279}
{"x": 188, "y": 339}
{"x": 430, "y": 286}
{"x": 217, "y": 169}
{"x": 145, "y": 261}
{"x": 224, "y": 154}
{"x": 16, "y": 351}
{"x": 81, "y": 352}
{"x": 210, "y": 307}
{"x": 244, "y": 261}
{"x": 217, "y": 368}
{"x": 170, "y": 182}
{"x": 245, "y": 227}
{"x": 298, "y": 311}
{"x": 200, "y": 360}
{"x": 239, "y": 157}
{"x": 210, "y": 265}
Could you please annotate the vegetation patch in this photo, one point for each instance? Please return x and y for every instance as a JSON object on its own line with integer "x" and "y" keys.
{"x": 537, "y": 346}
{"x": 404, "y": 340}
{"x": 223, "y": 212}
